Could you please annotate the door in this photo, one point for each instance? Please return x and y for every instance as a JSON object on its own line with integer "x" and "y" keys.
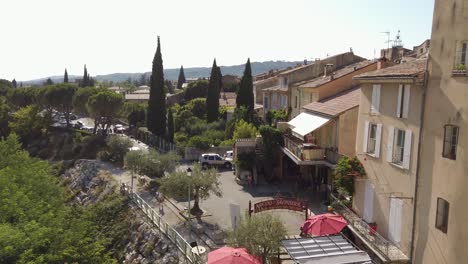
{"x": 394, "y": 221}
{"x": 368, "y": 214}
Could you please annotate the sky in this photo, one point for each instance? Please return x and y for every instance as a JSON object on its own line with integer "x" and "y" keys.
{"x": 42, "y": 38}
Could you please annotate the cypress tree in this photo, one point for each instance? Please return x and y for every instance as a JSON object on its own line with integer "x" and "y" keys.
{"x": 212, "y": 98}
{"x": 170, "y": 126}
{"x": 84, "y": 81}
{"x": 245, "y": 96}
{"x": 65, "y": 76}
{"x": 181, "y": 79}
{"x": 14, "y": 83}
{"x": 156, "y": 115}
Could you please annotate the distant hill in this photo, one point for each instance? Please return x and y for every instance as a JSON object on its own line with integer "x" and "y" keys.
{"x": 173, "y": 74}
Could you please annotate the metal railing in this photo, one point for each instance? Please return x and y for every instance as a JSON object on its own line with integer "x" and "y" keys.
{"x": 311, "y": 154}
{"x": 164, "y": 228}
{"x": 384, "y": 246}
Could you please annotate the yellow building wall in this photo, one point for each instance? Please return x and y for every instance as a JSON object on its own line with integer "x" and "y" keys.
{"x": 446, "y": 103}
{"x": 347, "y": 127}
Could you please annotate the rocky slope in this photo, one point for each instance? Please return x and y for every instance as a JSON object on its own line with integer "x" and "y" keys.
{"x": 89, "y": 184}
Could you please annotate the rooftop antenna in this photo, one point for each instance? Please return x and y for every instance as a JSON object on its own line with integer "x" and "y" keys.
{"x": 397, "y": 41}
{"x": 388, "y": 38}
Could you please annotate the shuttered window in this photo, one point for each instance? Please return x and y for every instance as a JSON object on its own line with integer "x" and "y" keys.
{"x": 403, "y": 101}
{"x": 450, "y": 142}
{"x": 399, "y": 147}
{"x": 375, "y": 102}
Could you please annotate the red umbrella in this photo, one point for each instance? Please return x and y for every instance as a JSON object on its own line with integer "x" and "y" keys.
{"x": 227, "y": 255}
{"x": 323, "y": 225}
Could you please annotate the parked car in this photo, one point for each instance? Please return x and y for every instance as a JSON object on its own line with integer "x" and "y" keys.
{"x": 213, "y": 159}
{"x": 229, "y": 155}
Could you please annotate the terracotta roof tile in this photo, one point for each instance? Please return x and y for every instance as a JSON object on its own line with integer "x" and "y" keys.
{"x": 411, "y": 68}
{"x": 336, "y": 104}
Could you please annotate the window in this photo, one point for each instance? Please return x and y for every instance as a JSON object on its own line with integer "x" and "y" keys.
{"x": 218, "y": 157}
{"x": 399, "y": 147}
{"x": 211, "y": 157}
{"x": 450, "y": 142}
{"x": 375, "y": 103}
{"x": 295, "y": 103}
{"x": 403, "y": 101}
{"x": 265, "y": 102}
{"x": 372, "y": 138}
{"x": 463, "y": 59}
{"x": 285, "y": 82}
{"x": 442, "y": 215}
{"x": 274, "y": 99}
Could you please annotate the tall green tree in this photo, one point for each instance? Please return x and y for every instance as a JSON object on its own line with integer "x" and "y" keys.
{"x": 104, "y": 107}
{"x": 48, "y": 82}
{"x": 245, "y": 96}
{"x": 80, "y": 99}
{"x": 60, "y": 97}
{"x": 202, "y": 183}
{"x": 14, "y": 83}
{"x": 170, "y": 126}
{"x": 212, "y": 99}
{"x": 65, "y": 76}
{"x": 260, "y": 234}
{"x": 181, "y": 80}
{"x": 85, "y": 80}
{"x": 156, "y": 115}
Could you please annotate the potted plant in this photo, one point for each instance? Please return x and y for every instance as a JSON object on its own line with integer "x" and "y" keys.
{"x": 460, "y": 70}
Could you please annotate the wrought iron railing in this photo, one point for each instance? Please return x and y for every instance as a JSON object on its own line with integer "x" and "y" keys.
{"x": 304, "y": 154}
{"x": 381, "y": 244}
{"x": 163, "y": 227}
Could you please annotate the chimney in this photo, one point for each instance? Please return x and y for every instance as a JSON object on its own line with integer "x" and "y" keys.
{"x": 381, "y": 63}
{"x": 328, "y": 69}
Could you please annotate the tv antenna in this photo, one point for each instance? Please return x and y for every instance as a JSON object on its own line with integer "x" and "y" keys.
{"x": 397, "y": 41}
{"x": 388, "y": 38}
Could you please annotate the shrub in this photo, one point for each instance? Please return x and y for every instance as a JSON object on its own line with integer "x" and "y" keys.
{"x": 103, "y": 155}
{"x": 196, "y": 90}
{"x": 197, "y": 107}
{"x": 118, "y": 147}
{"x": 246, "y": 160}
{"x": 244, "y": 130}
{"x": 90, "y": 146}
{"x": 227, "y": 143}
{"x": 199, "y": 142}
{"x": 215, "y": 136}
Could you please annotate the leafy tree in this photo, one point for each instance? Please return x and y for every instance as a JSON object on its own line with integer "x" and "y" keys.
{"x": 245, "y": 96}
{"x": 272, "y": 139}
{"x": 152, "y": 164}
{"x": 156, "y": 115}
{"x": 5, "y": 86}
{"x": 104, "y": 107}
{"x": 168, "y": 87}
{"x": 80, "y": 99}
{"x": 244, "y": 130}
{"x": 118, "y": 147}
{"x": 60, "y": 97}
{"x": 274, "y": 116}
{"x": 197, "y": 107}
{"x": 4, "y": 116}
{"x": 136, "y": 114}
{"x": 133, "y": 161}
{"x": 26, "y": 122}
{"x": 260, "y": 234}
{"x": 196, "y": 90}
{"x": 14, "y": 83}
{"x": 170, "y": 126}
{"x": 65, "y": 76}
{"x": 212, "y": 99}
{"x": 21, "y": 97}
{"x": 48, "y": 82}
{"x": 203, "y": 183}
{"x": 199, "y": 142}
{"x": 181, "y": 80}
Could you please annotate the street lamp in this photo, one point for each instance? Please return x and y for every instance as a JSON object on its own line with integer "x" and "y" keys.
{"x": 189, "y": 174}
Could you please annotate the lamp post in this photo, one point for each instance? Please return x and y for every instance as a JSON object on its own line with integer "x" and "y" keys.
{"x": 189, "y": 174}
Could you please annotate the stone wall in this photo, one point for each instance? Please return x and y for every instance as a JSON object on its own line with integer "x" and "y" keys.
{"x": 193, "y": 154}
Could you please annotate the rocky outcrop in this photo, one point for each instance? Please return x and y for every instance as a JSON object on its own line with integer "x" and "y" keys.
{"x": 89, "y": 183}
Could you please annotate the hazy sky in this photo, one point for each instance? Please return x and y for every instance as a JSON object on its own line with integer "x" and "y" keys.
{"x": 41, "y": 38}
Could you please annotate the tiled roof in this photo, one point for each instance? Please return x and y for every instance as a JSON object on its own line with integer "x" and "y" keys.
{"x": 144, "y": 96}
{"x": 276, "y": 88}
{"x": 336, "y": 104}
{"x": 336, "y": 74}
{"x": 411, "y": 68}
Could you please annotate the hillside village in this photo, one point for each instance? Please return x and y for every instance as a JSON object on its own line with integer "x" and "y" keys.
{"x": 339, "y": 159}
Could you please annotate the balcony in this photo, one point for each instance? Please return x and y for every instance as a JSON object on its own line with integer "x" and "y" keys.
{"x": 383, "y": 248}
{"x": 307, "y": 154}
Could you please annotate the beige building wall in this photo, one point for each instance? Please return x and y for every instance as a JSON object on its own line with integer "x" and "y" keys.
{"x": 309, "y": 95}
{"x": 388, "y": 179}
{"x": 446, "y": 103}
{"x": 347, "y": 127}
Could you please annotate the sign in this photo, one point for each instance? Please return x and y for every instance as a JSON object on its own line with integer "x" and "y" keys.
{"x": 293, "y": 205}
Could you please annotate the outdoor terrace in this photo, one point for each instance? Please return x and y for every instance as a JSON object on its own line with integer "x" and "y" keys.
{"x": 307, "y": 154}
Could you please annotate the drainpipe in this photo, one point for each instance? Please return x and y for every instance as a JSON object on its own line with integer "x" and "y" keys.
{"x": 418, "y": 163}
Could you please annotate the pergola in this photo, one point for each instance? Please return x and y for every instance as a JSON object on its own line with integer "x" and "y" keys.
{"x": 335, "y": 249}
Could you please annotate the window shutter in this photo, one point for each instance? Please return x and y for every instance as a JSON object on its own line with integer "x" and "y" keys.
{"x": 366, "y": 136}
{"x": 391, "y": 132}
{"x": 377, "y": 140}
{"x": 407, "y": 150}
{"x": 398, "y": 110}
{"x": 375, "y": 105}
{"x": 406, "y": 101}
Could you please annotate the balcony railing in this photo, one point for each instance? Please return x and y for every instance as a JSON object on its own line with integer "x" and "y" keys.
{"x": 304, "y": 153}
{"x": 369, "y": 234}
